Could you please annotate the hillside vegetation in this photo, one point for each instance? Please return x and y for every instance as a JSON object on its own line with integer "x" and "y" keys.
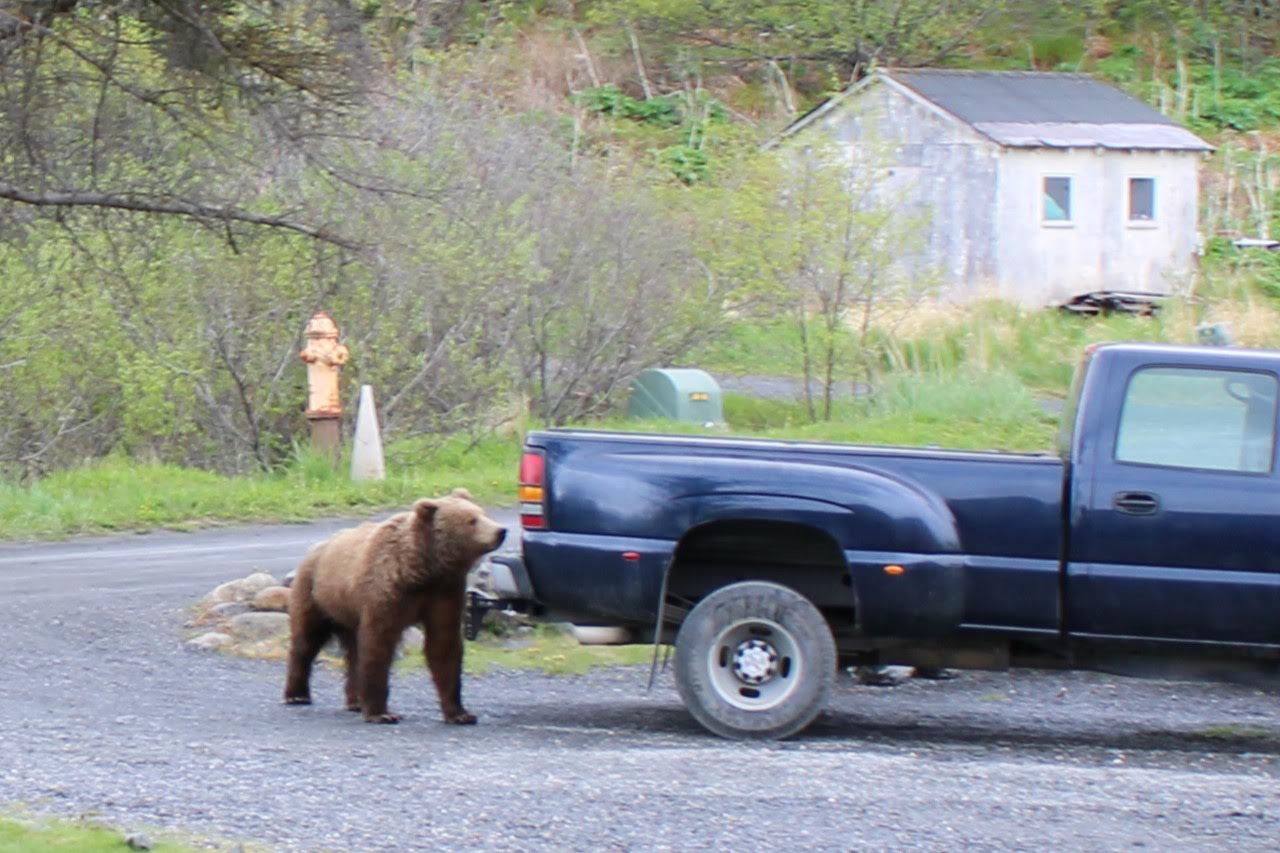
{"x": 513, "y": 207}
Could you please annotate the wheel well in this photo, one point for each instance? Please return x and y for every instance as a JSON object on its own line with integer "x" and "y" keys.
{"x": 798, "y": 556}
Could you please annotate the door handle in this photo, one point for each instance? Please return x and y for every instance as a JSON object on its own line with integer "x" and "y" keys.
{"x": 1137, "y": 503}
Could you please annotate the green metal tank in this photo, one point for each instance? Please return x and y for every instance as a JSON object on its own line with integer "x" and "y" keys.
{"x": 676, "y": 395}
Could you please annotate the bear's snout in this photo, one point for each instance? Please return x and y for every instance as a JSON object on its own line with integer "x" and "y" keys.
{"x": 499, "y": 537}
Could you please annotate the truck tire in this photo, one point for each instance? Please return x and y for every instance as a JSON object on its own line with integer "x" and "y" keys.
{"x": 755, "y": 660}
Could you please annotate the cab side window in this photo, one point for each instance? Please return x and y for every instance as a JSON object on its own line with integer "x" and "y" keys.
{"x": 1181, "y": 417}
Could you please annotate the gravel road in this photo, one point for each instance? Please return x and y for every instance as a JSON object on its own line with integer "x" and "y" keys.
{"x": 103, "y": 711}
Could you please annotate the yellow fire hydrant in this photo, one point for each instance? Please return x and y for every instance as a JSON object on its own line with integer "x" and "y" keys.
{"x": 324, "y": 356}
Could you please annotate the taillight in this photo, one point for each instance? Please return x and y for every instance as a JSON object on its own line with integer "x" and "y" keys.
{"x": 532, "y": 492}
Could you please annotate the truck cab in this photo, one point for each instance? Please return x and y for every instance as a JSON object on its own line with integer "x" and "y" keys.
{"x": 1173, "y": 525}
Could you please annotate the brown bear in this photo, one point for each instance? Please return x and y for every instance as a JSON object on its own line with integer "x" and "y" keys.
{"x": 367, "y": 584}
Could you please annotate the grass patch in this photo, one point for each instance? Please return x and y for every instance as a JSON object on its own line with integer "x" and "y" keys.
{"x": 74, "y": 837}
{"x": 753, "y": 349}
{"x": 1039, "y": 348}
{"x": 119, "y": 494}
{"x": 553, "y": 651}
{"x": 968, "y": 377}
{"x": 547, "y": 648}
{"x": 964, "y": 410}
{"x": 960, "y": 408}
{"x": 1231, "y": 731}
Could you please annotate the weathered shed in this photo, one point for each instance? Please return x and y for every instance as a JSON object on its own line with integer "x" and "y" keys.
{"x": 1036, "y": 185}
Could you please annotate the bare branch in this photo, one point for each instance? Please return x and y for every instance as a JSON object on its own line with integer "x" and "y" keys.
{"x": 171, "y": 207}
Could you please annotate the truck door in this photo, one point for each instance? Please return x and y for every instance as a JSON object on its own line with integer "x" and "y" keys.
{"x": 1175, "y": 518}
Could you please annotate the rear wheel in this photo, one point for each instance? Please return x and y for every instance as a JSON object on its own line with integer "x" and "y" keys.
{"x": 755, "y": 660}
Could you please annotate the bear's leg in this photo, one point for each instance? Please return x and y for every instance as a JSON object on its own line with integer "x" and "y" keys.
{"x": 443, "y": 650}
{"x": 376, "y": 646}
{"x": 348, "y": 640}
{"x": 309, "y": 630}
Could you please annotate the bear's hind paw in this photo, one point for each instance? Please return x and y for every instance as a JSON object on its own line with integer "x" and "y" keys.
{"x": 297, "y": 700}
{"x": 462, "y": 719}
{"x": 390, "y": 719}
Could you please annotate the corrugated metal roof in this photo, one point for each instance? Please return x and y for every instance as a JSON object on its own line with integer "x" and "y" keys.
{"x": 1035, "y": 109}
{"x": 1028, "y": 96}
{"x": 1165, "y": 137}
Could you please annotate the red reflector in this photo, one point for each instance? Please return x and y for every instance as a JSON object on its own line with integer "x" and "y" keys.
{"x": 630, "y": 556}
{"x": 532, "y": 522}
{"x": 533, "y": 469}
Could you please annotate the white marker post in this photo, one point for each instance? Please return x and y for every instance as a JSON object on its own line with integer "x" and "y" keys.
{"x": 366, "y": 449}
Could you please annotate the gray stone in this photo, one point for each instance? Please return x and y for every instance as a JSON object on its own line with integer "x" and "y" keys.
{"x": 138, "y": 841}
{"x": 228, "y": 609}
{"x": 223, "y": 593}
{"x": 240, "y": 590}
{"x": 210, "y": 640}
{"x": 272, "y": 598}
{"x": 259, "y": 625}
{"x": 254, "y": 584}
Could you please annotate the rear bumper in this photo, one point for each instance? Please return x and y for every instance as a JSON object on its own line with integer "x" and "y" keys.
{"x": 507, "y": 589}
{"x": 509, "y": 578}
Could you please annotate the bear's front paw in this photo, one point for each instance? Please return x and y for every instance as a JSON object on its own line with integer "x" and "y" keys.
{"x": 354, "y": 706}
{"x": 390, "y": 719}
{"x": 297, "y": 700}
{"x": 461, "y": 719}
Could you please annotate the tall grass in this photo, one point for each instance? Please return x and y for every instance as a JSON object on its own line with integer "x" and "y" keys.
{"x": 1039, "y": 347}
{"x": 963, "y": 410}
{"x": 117, "y": 493}
{"x": 753, "y": 348}
{"x": 973, "y": 377}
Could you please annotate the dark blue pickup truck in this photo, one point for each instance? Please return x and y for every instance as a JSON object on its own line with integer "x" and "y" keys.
{"x": 1149, "y": 543}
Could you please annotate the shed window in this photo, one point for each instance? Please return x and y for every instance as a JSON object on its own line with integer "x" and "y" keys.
{"x": 1142, "y": 199}
{"x": 1057, "y": 199}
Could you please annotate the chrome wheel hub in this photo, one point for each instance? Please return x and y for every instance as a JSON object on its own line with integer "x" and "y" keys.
{"x": 755, "y": 662}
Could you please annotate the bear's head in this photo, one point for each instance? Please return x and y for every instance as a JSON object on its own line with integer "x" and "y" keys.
{"x": 457, "y": 528}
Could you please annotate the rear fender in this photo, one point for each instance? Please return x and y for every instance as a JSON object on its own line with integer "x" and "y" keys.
{"x": 915, "y": 587}
{"x": 860, "y": 509}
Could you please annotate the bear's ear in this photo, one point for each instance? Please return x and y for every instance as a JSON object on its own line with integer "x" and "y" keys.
{"x": 425, "y": 509}
{"x": 462, "y": 493}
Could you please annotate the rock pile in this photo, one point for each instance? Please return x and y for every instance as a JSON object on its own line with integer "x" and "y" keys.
{"x": 250, "y": 617}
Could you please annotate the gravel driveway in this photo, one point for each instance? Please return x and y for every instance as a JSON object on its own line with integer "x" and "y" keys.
{"x": 102, "y": 710}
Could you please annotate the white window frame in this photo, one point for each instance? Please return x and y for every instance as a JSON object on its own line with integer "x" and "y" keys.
{"x": 1070, "y": 221}
{"x": 1154, "y": 221}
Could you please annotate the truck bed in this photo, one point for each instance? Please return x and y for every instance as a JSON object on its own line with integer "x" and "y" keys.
{"x": 993, "y": 517}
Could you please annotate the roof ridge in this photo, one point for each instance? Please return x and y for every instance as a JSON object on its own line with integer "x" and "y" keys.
{"x": 1003, "y": 72}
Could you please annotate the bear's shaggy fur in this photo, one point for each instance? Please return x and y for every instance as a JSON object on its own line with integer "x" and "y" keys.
{"x": 367, "y": 584}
